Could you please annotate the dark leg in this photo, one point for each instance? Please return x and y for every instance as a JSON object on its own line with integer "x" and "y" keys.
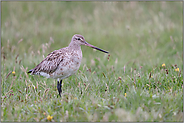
{"x": 59, "y": 85}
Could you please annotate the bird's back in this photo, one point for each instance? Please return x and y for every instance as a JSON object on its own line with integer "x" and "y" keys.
{"x": 59, "y": 64}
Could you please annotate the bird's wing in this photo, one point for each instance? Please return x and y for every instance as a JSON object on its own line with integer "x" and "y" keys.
{"x": 50, "y": 63}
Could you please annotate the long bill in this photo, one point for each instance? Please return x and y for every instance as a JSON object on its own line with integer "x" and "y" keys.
{"x": 89, "y": 45}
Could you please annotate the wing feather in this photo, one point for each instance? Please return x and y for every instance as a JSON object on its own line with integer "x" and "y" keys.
{"x": 50, "y": 63}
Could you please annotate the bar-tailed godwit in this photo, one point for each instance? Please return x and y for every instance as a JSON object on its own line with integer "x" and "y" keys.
{"x": 64, "y": 62}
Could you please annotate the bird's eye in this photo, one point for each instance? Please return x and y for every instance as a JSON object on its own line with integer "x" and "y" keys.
{"x": 78, "y": 38}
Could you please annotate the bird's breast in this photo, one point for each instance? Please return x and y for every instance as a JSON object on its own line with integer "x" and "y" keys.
{"x": 68, "y": 66}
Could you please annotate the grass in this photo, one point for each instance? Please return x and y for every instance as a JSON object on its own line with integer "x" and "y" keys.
{"x": 132, "y": 84}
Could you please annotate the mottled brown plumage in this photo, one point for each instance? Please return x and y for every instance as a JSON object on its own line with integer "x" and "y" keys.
{"x": 64, "y": 62}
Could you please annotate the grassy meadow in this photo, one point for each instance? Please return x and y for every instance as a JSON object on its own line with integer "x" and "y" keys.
{"x": 140, "y": 80}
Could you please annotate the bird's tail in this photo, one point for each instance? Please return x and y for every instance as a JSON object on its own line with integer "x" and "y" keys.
{"x": 30, "y": 71}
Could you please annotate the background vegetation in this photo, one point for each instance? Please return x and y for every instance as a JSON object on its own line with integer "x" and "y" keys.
{"x": 141, "y": 80}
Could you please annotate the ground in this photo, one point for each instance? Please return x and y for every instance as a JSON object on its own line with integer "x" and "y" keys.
{"x": 140, "y": 80}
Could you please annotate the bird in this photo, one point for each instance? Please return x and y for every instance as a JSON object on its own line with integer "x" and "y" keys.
{"x": 64, "y": 62}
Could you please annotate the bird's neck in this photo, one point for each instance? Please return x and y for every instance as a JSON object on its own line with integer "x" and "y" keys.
{"x": 74, "y": 46}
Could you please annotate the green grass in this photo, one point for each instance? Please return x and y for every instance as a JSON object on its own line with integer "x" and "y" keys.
{"x": 132, "y": 85}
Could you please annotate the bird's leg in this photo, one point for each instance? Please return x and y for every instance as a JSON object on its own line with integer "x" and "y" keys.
{"x": 59, "y": 84}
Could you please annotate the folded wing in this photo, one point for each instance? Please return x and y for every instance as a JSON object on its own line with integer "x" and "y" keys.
{"x": 49, "y": 64}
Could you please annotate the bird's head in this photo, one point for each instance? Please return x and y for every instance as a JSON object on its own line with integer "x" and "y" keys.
{"x": 79, "y": 39}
